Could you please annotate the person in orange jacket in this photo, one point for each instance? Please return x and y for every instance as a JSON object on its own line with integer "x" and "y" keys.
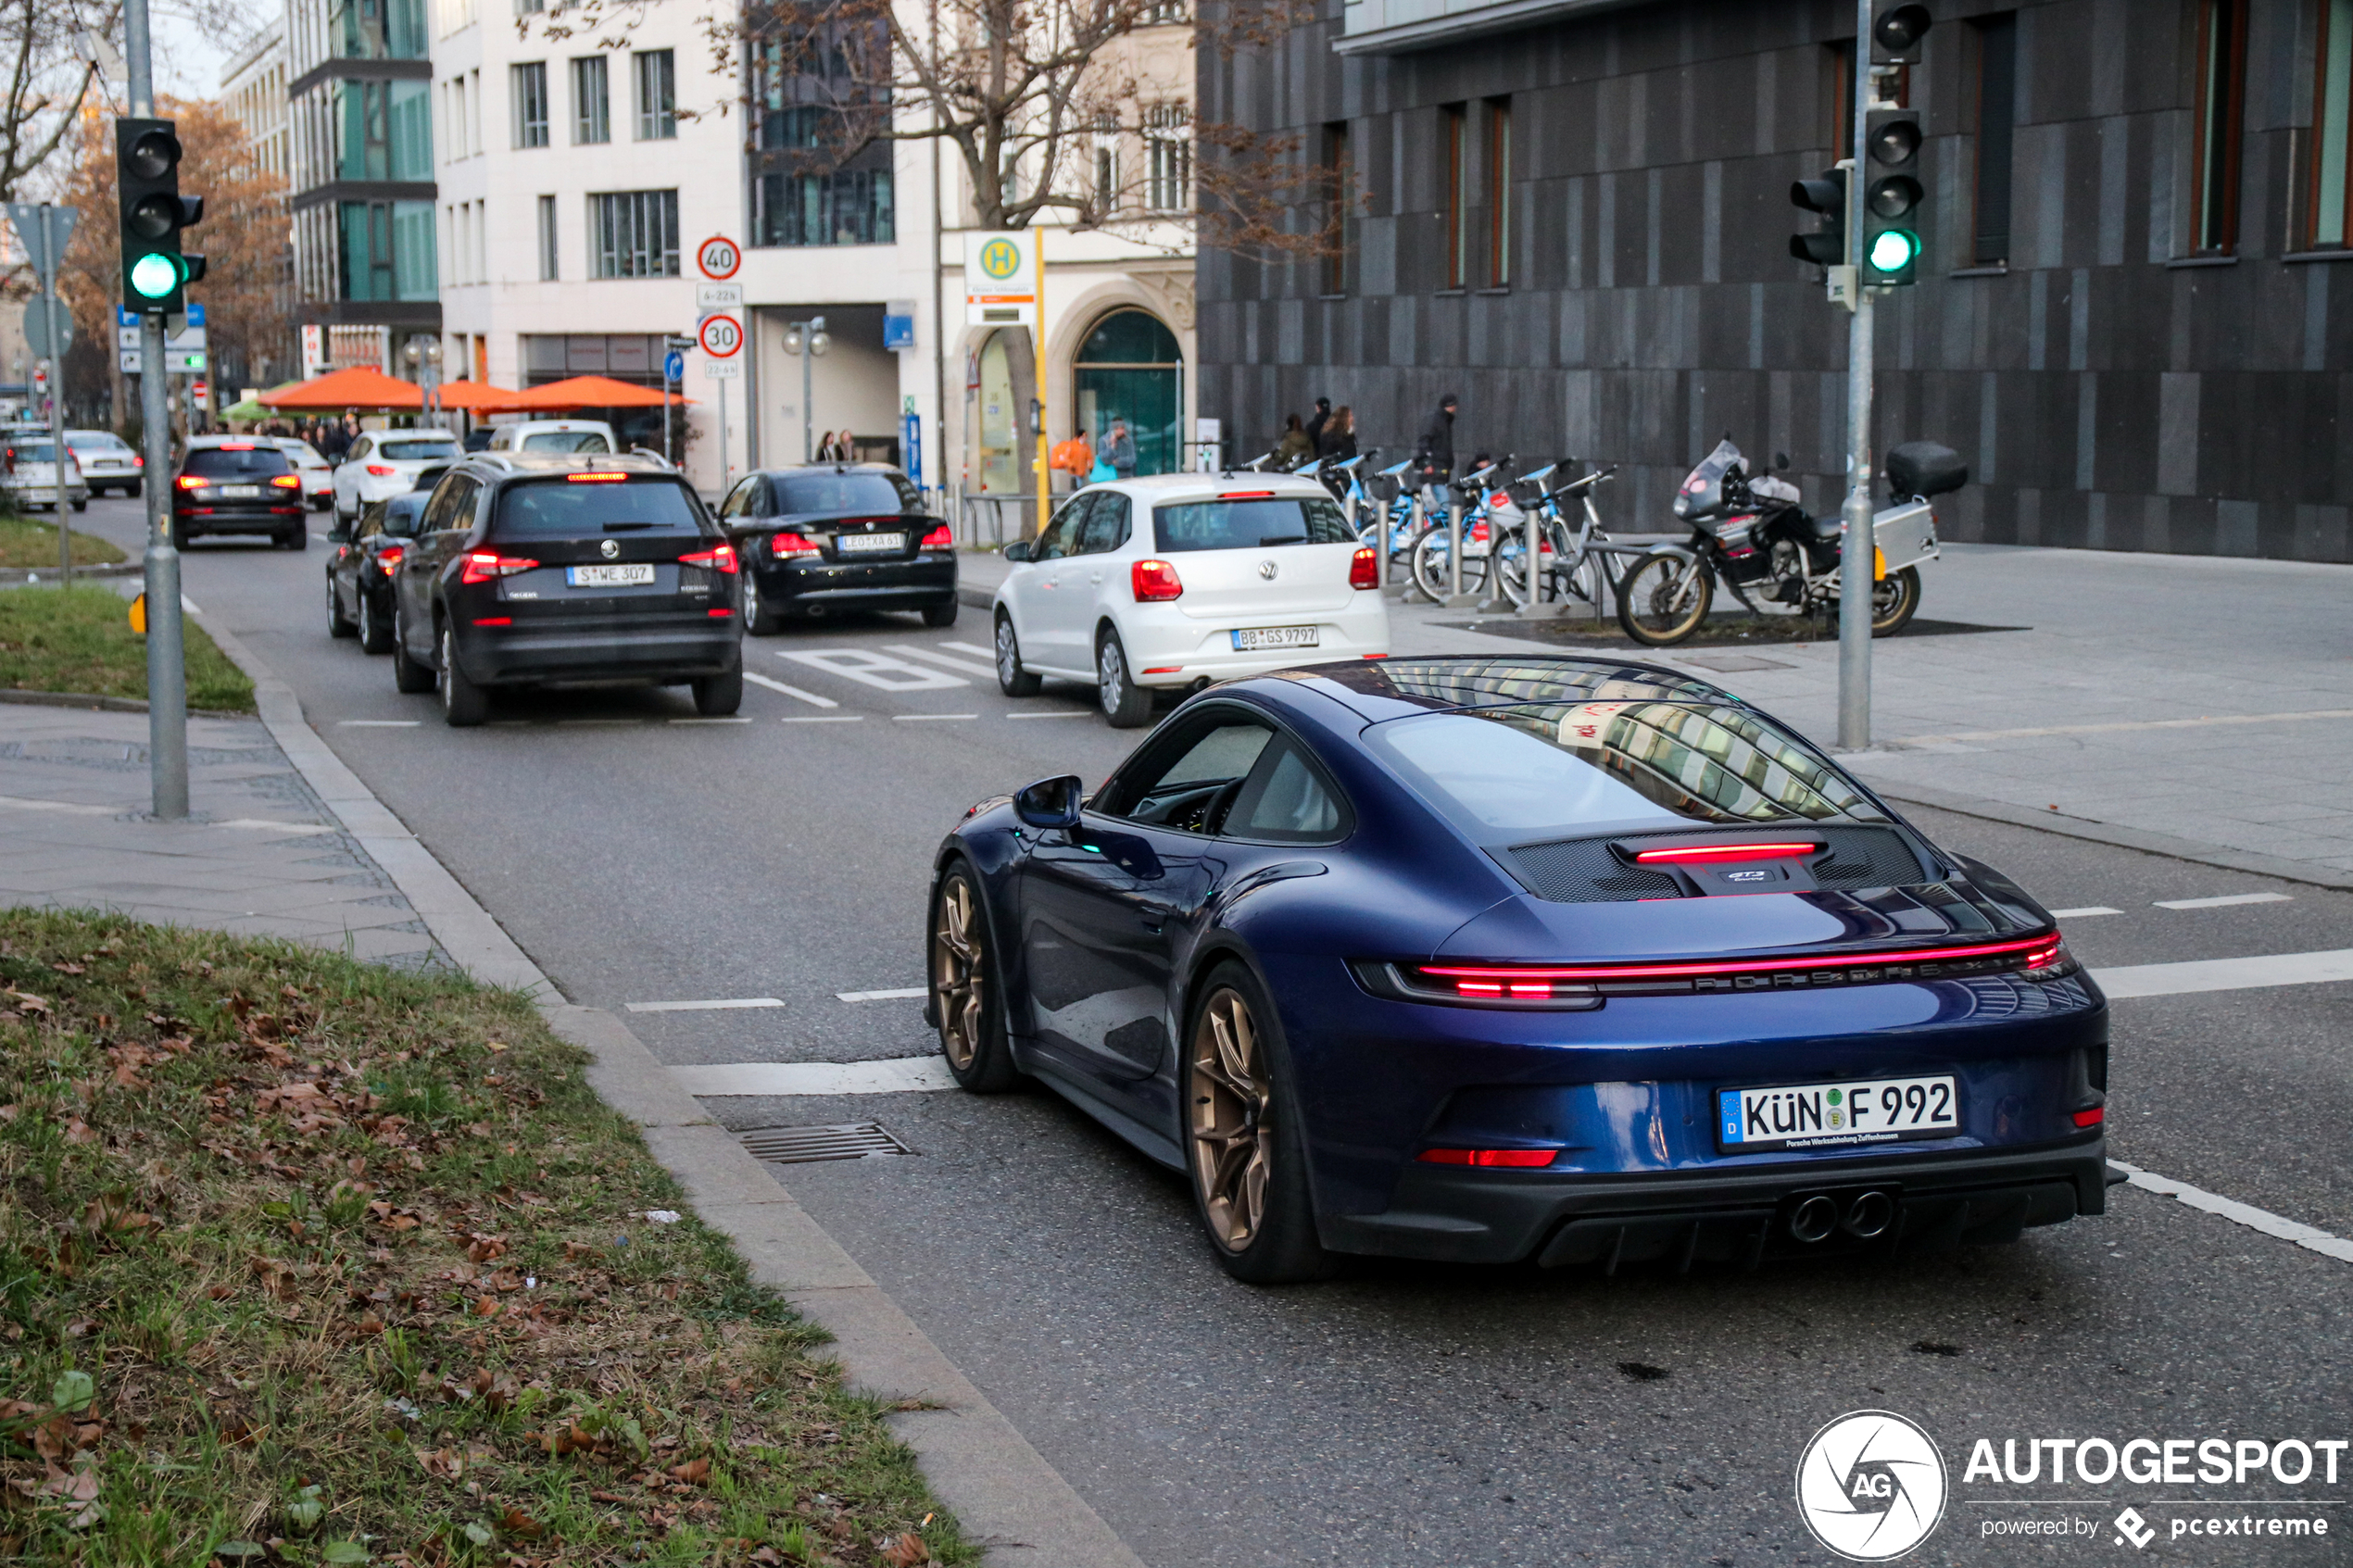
{"x": 1074, "y": 457}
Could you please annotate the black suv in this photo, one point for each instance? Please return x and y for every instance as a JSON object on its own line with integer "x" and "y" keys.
{"x": 540, "y": 569}
{"x": 238, "y": 484}
{"x": 839, "y": 538}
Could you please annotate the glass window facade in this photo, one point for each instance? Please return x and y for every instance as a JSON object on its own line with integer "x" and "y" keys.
{"x": 2333, "y": 128}
{"x": 850, "y": 207}
{"x": 591, "y": 101}
{"x": 531, "y": 105}
{"x": 386, "y": 251}
{"x": 377, "y": 29}
{"x": 816, "y": 181}
{"x": 657, "y": 74}
{"x": 383, "y": 129}
{"x": 633, "y": 233}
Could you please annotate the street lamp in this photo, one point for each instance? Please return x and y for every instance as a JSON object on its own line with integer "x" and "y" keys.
{"x": 423, "y": 354}
{"x": 812, "y": 333}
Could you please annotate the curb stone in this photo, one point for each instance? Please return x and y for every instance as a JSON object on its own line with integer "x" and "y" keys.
{"x": 1005, "y": 1495}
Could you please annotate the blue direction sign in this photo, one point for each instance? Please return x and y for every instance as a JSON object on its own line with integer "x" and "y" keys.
{"x": 130, "y": 319}
{"x": 673, "y": 366}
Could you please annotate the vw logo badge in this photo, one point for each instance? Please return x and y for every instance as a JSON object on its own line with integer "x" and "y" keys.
{"x": 1267, "y": 569}
{"x": 609, "y": 548}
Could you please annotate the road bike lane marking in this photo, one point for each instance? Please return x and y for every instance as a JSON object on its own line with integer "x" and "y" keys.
{"x": 776, "y": 685}
{"x": 2226, "y": 974}
{"x": 968, "y": 666}
{"x": 876, "y": 669}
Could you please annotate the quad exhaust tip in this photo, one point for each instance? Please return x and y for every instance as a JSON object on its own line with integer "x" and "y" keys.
{"x": 1868, "y": 1216}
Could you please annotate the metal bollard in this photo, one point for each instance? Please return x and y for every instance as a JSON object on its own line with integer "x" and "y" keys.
{"x": 1417, "y": 516}
{"x": 1536, "y": 608}
{"x": 1455, "y": 598}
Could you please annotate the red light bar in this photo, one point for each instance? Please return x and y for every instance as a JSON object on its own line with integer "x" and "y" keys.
{"x": 1510, "y": 1159}
{"x": 2091, "y": 1118}
{"x": 1677, "y": 855}
{"x": 235, "y": 447}
{"x": 494, "y": 620}
{"x": 1164, "y": 670}
{"x": 596, "y": 478}
{"x": 1247, "y": 496}
{"x": 2045, "y": 948}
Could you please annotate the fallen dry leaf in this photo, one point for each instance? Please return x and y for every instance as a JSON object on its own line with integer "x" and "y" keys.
{"x": 904, "y": 1551}
{"x": 694, "y": 1473}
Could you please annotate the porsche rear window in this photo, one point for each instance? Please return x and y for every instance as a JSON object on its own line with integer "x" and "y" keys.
{"x": 1248, "y": 525}
{"x": 1506, "y": 774}
{"x": 559, "y": 508}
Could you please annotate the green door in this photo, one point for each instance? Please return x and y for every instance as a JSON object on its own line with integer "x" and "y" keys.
{"x": 1130, "y": 369}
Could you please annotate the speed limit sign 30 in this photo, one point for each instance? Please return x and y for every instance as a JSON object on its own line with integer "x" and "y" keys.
{"x": 718, "y": 257}
{"x": 719, "y": 336}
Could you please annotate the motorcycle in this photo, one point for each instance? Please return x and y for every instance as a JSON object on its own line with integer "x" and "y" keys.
{"x": 1750, "y": 533}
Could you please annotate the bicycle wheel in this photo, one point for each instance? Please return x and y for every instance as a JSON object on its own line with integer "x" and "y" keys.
{"x": 1664, "y": 598}
{"x": 1428, "y": 554}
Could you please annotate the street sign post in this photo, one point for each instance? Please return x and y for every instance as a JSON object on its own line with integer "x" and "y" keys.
{"x": 721, "y": 336}
{"x": 711, "y": 297}
{"x": 1000, "y": 278}
{"x": 36, "y": 331}
{"x": 45, "y": 229}
{"x": 673, "y": 366}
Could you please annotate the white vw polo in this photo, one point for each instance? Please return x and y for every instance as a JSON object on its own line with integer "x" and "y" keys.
{"x": 1179, "y": 580}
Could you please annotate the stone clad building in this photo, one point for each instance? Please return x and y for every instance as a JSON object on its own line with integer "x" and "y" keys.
{"x": 2135, "y": 315}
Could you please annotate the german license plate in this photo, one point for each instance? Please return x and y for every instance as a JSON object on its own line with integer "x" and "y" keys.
{"x": 609, "y": 576}
{"x": 1827, "y": 1115}
{"x": 241, "y": 492}
{"x": 1274, "y": 637}
{"x": 869, "y": 543}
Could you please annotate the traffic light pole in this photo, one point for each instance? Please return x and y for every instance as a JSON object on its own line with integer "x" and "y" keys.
{"x": 167, "y": 667}
{"x": 1856, "y": 551}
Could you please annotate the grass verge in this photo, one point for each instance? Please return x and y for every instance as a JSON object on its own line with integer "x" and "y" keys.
{"x": 80, "y": 639}
{"x": 303, "y": 1260}
{"x": 24, "y": 543}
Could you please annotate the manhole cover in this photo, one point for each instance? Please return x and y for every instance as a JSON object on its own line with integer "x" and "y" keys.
{"x": 802, "y": 1146}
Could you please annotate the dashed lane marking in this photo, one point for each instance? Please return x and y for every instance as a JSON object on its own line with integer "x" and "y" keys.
{"x": 966, "y": 665}
{"x": 891, "y": 1076}
{"x": 881, "y": 996}
{"x": 823, "y": 718}
{"x": 926, "y": 718}
{"x": 2245, "y": 1214}
{"x": 2226, "y": 974}
{"x": 876, "y": 669}
{"x": 2225, "y": 900}
{"x": 810, "y": 697}
{"x": 2088, "y": 910}
{"x": 731, "y": 719}
{"x": 378, "y": 723}
{"x": 1064, "y": 713}
{"x": 724, "y": 1005}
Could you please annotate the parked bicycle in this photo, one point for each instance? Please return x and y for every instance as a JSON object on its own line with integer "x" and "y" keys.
{"x": 1483, "y": 503}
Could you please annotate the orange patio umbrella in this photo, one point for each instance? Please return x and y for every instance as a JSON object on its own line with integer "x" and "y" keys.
{"x": 476, "y": 397}
{"x": 591, "y": 392}
{"x": 357, "y": 387}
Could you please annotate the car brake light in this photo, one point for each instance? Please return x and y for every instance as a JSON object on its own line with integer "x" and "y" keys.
{"x": 2091, "y": 1118}
{"x": 389, "y": 556}
{"x": 484, "y": 565}
{"x": 1510, "y": 1159}
{"x": 719, "y": 557}
{"x": 1502, "y": 980}
{"x": 236, "y": 446}
{"x": 794, "y": 545}
{"x": 193, "y": 481}
{"x": 721, "y": 612}
{"x": 1246, "y": 495}
{"x": 1701, "y": 853}
{"x": 940, "y": 538}
{"x": 495, "y": 621}
{"x": 138, "y": 462}
{"x": 1154, "y": 582}
{"x": 1363, "y": 568}
{"x": 596, "y": 478}
{"x": 285, "y": 481}
{"x": 380, "y": 472}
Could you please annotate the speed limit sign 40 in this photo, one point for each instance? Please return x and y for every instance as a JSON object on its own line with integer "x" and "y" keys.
{"x": 719, "y": 336}
{"x": 718, "y": 257}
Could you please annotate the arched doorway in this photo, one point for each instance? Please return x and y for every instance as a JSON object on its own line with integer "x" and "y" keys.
{"x": 1130, "y": 369}
{"x": 1001, "y": 469}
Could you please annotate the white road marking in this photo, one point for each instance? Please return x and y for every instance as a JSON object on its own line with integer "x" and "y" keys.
{"x": 189, "y": 604}
{"x": 379, "y": 724}
{"x": 2245, "y": 1214}
{"x": 2086, "y": 910}
{"x": 984, "y": 654}
{"x": 966, "y": 665}
{"x": 2223, "y": 900}
{"x": 881, "y": 996}
{"x": 1064, "y": 713}
{"x": 728, "y": 1004}
{"x": 891, "y": 1076}
{"x": 821, "y": 718}
{"x": 2226, "y": 974}
{"x": 925, "y": 718}
{"x": 877, "y": 669}
{"x": 810, "y": 697}
{"x": 17, "y": 803}
{"x": 742, "y": 719}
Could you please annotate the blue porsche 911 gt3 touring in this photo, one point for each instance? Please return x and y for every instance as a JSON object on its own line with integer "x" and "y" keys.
{"x": 1488, "y": 959}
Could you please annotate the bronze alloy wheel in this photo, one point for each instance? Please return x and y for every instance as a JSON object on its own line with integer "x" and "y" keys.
{"x": 959, "y": 974}
{"x": 1231, "y": 1093}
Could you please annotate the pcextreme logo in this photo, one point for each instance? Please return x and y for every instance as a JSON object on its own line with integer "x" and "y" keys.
{"x": 1871, "y": 1486}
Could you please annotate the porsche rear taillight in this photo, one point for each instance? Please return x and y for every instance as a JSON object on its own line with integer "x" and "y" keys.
{"x": 489, "y": 565}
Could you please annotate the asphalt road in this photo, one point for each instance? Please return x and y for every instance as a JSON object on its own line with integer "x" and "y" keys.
{"x": 1401, "y": 1414}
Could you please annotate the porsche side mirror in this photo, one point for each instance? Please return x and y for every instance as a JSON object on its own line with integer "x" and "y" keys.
{"x": 1051, "y": 803}
{"x": 1018, "y": 550}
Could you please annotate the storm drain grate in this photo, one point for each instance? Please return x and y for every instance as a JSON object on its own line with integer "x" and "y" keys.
{"x": 802, "y": 1146}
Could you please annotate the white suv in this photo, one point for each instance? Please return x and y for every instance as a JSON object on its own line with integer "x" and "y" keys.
{"x": 1179, "y": 579}
{"x": 385, "y": 463}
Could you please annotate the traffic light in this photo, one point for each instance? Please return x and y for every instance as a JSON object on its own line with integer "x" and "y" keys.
{"x": 1891, "y": 196}
{"x": 1897, "y": 30}
{"x": 1826, "y": 246}
{"x": 155, "y": 271}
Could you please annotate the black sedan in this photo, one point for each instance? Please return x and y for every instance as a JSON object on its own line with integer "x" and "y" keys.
{"x": 361, "y": 567}
{"x": 835, "y": 539}
{"x": 238, "y": 484}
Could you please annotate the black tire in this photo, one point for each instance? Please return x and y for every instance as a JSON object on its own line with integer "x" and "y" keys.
{"x": 463, "y": 704}
{"x": 82, "y": 504}
{"x": 1659, "y": 604}
{"x": 180, "y": 534}
{"x": 941, "y": 615}
{"x": 375, "y": 632}
{"x": 1011, "y": 678}
{"x": 1894, "y": 601}
{"x": 718, "y": 696}
{"x": 408, "y": 675}
{"x": 131, "y": 489}
{"x": 298, "y": 540}
{"x": 759, "y": 620}
{"x": 1242, "y": 1110}
{"x": 1124, "y": 704}
{"x": 338, "y": 623}
{"x": 967, "y": 1001}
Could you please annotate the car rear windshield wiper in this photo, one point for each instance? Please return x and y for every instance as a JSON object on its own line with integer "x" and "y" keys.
{"x": 626, "y": 527}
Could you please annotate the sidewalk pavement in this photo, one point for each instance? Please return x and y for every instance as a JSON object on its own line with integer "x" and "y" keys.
{"x": 2193, "y": 706}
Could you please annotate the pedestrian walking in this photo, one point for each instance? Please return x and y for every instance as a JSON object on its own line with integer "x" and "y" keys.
{"x": 1119, "y": 450}
{"x": 1436, "y": 455}
{"x": 1337, "y": 441}
{"x": 1074, "y": 457}
{"x": 1296, "y": 446}
{"x": 1318, "y": 422}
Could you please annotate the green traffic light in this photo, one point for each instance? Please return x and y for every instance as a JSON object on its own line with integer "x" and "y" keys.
{"x": 1893, "y": 250}
{"x": 154, "y": 276}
